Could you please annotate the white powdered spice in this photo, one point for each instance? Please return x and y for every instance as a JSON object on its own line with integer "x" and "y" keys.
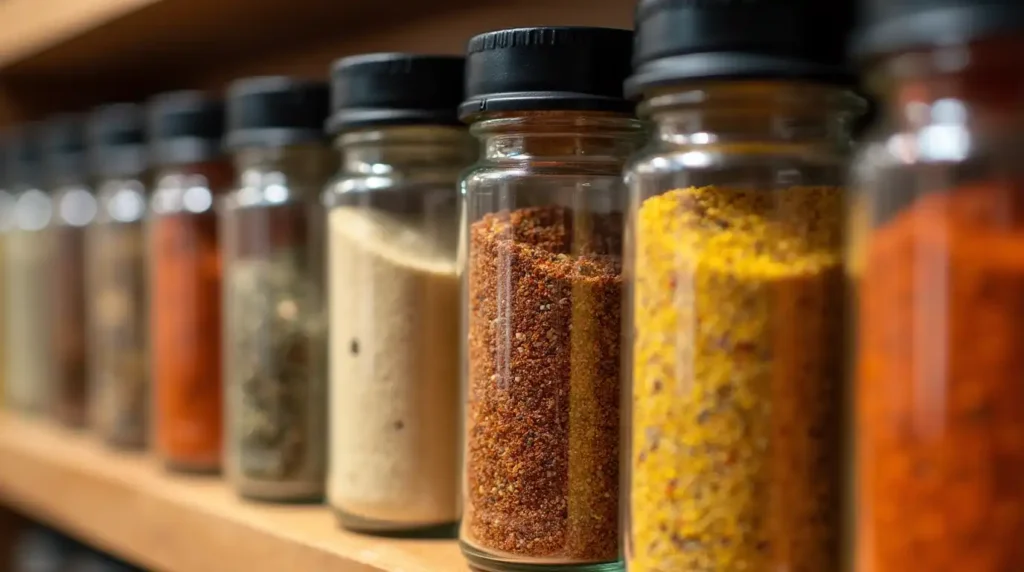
{"x": 394, "y": 371}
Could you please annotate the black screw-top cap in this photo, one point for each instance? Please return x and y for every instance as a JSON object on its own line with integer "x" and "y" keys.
{"x": 117, "y": 140}
{"x": 395, "y": 89}
{"x": 64, "y": 147}
{"x": 547, "y": 69}
{"x": 275, "y": 111}
{"x": 24, "y": 160}
{"x": 889, "y": 26}
{"x": 683, "y": 40}
{"x": 185, "y": 127}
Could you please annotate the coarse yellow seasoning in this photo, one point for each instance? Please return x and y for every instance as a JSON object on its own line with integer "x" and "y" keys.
{"x": 737, "y": 309}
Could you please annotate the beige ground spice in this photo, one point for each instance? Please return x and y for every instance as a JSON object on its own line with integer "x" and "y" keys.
{"x": 394, "y": 339}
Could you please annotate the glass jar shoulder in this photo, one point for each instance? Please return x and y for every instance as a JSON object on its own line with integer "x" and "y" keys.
{"x": 706, "y": 162}
{"x": 184, "y": 191}
{"x": 954, "y": 168}
{"x": 74, "y": 205}
{"x": 31, "y": 210}
{"x": 121, "y": 200}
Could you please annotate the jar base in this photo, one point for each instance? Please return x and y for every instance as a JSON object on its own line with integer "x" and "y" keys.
{"x": 388, "y": 529}
{"x": 185, "y": 468}
{"x": 289, "y": 493}
{"x": 481, "y": 561}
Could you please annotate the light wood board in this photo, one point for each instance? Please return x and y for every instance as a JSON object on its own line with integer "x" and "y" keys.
{"x": 124, "y": 503}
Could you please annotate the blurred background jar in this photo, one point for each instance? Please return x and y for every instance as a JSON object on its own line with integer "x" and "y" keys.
{"x": 736, "y": 303}
{"x": 116, "y": 277}
{"x": 28, "y": 276}
{"x": 394, "y": 291}
{"x": 275, "y": 326}
{"x": 190, "y": 173}
{"x": 542, "y": 240}
{"x": 6, "y": 208}
{"x": 74, "y": 208}
{"x": 935, "y": 260}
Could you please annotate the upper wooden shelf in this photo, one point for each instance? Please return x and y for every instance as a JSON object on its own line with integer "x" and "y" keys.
{"x": 124, "y": 504}
{"x": 111, "y": 38}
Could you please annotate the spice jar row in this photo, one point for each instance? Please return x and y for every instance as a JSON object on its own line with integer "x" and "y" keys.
{"x": 686, "y": 321}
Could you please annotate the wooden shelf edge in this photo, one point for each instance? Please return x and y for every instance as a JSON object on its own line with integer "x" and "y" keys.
{"x": 125, "y": 504}
{"x": 32, "y": 26}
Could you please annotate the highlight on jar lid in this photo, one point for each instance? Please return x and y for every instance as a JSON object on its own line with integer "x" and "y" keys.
{"x": 547, "y": 69}
{"x": 185, "y": 127}
{"x": 275, "y": 111}
{"x": 888, "y": 26}
{"x": 116, "y": 140}
{"x": 756, "y": 39}
{"x": 395, "y": 89}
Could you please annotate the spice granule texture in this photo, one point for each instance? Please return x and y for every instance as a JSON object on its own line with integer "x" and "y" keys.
{"x": 736, "y": 381}
{"x": 543, "y": 410}
{"x": 940, "y": 420}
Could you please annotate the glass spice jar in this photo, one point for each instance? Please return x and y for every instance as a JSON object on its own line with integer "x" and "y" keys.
{"x": 116, "y": 277}
{"x": 28, "y": 276}
{"x": 935, "y": 262}
{"x": 190, "y": 171}
{"x": 74, "y": 208}
{"x": 394, "y": 292}
{"x": 275, "y": 326}
{"x": 736, "y": 300}
{"x": 6, "y": 208}
{"x": 542, "y": 240}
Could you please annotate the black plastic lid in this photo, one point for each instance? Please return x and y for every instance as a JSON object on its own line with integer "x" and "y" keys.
{"x": 683, "y": 40}
{"x": 117, "y": 140}
{"x": 64, "y": 147}
{"x": 897, "y": 25}
{"x": 24, "y": 157}
{"x": 275, "y": 111}
{"x": 185, "y": 127}
{"x": 547, "y": 69}
{"x": 395, "y": 89}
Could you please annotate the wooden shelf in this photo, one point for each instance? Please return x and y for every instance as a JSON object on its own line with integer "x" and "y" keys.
{"x": 124, "y": 504}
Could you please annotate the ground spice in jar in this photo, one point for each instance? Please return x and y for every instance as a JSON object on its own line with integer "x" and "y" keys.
{"x": 276, "y": 361}
{"x": 69, "y": 325}
{"x": 117, "y": 275}
{"x": 737, "y": 366}
{"x": 543, "y": 411}
{"x": 940, "y": 431}
{"x": 186, "y": 331}
{"x": 395, "y": 295}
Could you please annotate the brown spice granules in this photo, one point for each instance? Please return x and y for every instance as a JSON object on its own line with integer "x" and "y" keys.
{"x": 543, "y": 408}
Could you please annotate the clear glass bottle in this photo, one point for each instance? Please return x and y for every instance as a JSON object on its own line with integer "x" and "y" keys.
{"x": 541, "y": 247}
{"x": 736, "y": 302}
{"x": 28, "y": 277}
{"x": 74, "y": 208}
{"x": 116, "y": 278}
{"x": 934, "y": 259}
{"x": 190, "y": 172}
{"x": 275, "y": 325}
{"x": 6, "y": 208}
{"x": 394, "y": 292}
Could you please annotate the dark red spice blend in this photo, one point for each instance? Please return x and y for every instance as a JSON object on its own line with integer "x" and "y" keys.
{"x": 543, "y": 407}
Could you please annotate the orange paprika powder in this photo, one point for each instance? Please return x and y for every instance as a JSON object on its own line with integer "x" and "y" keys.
{"x": 941, "y": 387}
{"x": 185, "y": 283}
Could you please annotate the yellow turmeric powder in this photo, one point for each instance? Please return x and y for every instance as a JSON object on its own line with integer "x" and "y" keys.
{"x": 734, "y": 452}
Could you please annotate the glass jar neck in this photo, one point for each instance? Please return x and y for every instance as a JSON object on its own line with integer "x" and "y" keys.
{"x": 977, "y": 86}
{"x": 558, "y": 136}
{"x": 754, "y": 112}
{"x": 295, "y": 166}
{"x": 404, "y": 149}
